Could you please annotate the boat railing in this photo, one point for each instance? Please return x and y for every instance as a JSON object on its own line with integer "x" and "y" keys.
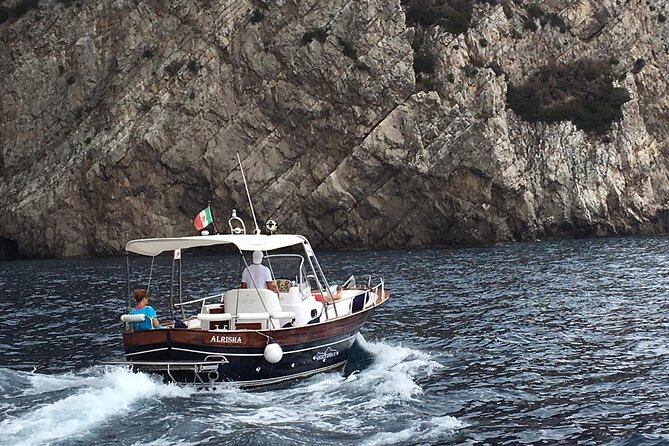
{"x": 380, "y": 291}
{"x": 373, "y": 296}
{"x": 349, "y": 282}
{"x": 204, "y": 315}
{"x": 270, "y": 320}
{"x": 205, "y": 372}
{"x": 212, "y": 307}
{"x": 203, "y": 300}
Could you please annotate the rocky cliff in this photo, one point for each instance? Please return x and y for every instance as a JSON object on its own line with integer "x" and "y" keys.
{"x": 360, "y": 123}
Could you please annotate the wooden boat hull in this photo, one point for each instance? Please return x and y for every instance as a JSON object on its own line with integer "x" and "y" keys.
{"x": 238, "y": 355}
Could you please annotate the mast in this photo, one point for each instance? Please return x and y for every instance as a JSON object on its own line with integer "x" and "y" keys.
{"x": 257, "y": 230}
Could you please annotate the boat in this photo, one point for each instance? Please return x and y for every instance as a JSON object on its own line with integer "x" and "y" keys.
{"x": 250, "y": 336}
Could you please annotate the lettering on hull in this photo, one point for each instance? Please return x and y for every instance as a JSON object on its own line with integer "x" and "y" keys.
{"x": 221, "y": 339}
{"x": 327, "y": 354}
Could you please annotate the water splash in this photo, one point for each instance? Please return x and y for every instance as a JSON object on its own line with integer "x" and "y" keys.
{"x": 425, "y": 431}
{"x": 396, "y": 370}
{"x": 330, "y": 405}
{"x": 51, "y": 408}
{"x": 92, "y": 401}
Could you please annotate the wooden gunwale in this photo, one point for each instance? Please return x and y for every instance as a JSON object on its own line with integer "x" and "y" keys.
{"x": 248, "y": 338}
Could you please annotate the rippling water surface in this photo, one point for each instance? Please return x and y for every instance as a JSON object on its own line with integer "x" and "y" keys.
{"x": 537, "y": 343}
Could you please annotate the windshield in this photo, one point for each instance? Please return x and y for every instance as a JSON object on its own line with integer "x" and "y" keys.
{"x": 287, "y": 266}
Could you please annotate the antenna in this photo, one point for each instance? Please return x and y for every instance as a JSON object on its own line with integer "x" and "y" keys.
{"x": 257, "y": 231}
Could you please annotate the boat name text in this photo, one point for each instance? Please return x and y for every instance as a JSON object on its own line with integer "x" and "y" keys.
{"x": 219, "y": 339}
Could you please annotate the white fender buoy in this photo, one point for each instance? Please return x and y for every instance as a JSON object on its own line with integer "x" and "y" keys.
{"x": 273, "y": 353}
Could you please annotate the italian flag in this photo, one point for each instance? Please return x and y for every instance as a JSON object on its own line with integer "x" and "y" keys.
{"x": 203, "y": 219}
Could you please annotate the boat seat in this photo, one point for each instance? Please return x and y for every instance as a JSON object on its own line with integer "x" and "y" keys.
{"x": 194, "y": 324}
{"x": 252, "y": 316}
{"x": 211, "y": 308}
{"x": 130, "y": 318}
{"x": 252, "y": 321}
{"x": 211, "y": 321}
{"x": 211, "y": 317}
{"x": 283, "y": 314}
{"x": 251, "y": 300}
{"x": 251, "y": 306}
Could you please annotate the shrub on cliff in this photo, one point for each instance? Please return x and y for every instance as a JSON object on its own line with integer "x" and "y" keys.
{"x": 256, "y": 16}
{"x": 424, "y": 62}
{"x": 534, "y": 12}
{"x": 582, "y": 92}
{"x": 319, "y": 34}
{"x": 17, "y": 10}
{"x": 453, "y": 15}
{"x": 347, "y": 49}
{"x": 173, "y": 67}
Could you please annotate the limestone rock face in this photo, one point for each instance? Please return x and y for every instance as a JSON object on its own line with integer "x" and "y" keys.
{"x": 121, "y": 119}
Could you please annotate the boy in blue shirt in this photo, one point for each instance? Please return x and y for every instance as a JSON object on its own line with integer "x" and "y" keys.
{"x": 150, "y": 320}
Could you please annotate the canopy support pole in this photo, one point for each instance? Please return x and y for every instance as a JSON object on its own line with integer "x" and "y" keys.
{"x": 183, "y": 313}
{"x": 127, "y": 279}
{"x": 172, "y": 289}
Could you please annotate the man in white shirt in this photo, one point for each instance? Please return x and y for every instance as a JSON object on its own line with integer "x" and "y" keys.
{"x": 257, "y": 275}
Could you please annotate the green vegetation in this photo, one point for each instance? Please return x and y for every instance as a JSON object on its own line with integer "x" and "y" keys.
{"x": 361, "y": 66}
{"x": 453, "y": 15}
{"x": 18, "y": 10}
{"x": 347, "y": 49}
{"x": 470, "y": 70}
{"x": 534, "y": 12}
{"x": 22, "y": 7}
{"x": 427, "y": 83}
{"x": 319, "y": 34}
{"x": 256, "y": 16}
{"x": 194, "y": 66}
{"x": 424, "y": 62}
{"x": 496, "y": 68}
{"x": 582, "y": 92}
{"x": 173, "y": 67}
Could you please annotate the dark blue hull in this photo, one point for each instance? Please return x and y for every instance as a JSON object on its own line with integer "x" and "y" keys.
{"x": 208, "y": 357}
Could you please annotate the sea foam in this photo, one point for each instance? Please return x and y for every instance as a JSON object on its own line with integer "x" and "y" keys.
{"x": 94, "y": 400}
{"x": 330, "y": 404}
{"x": 424, "y": 432}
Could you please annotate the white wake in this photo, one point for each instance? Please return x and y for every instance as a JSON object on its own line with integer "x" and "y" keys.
{"x": 95, "y": 399}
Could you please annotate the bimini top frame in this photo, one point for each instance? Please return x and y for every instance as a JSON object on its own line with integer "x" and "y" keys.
{"x": 244, "y": 242}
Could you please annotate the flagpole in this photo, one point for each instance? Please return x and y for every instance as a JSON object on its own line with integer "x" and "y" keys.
{"x": 213, "y": 220}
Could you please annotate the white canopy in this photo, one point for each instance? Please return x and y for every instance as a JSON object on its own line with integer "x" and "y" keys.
{"x": 245, "y": 242}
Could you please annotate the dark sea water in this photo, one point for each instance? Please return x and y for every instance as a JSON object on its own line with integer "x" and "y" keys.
{"x": 531, "y": 343}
